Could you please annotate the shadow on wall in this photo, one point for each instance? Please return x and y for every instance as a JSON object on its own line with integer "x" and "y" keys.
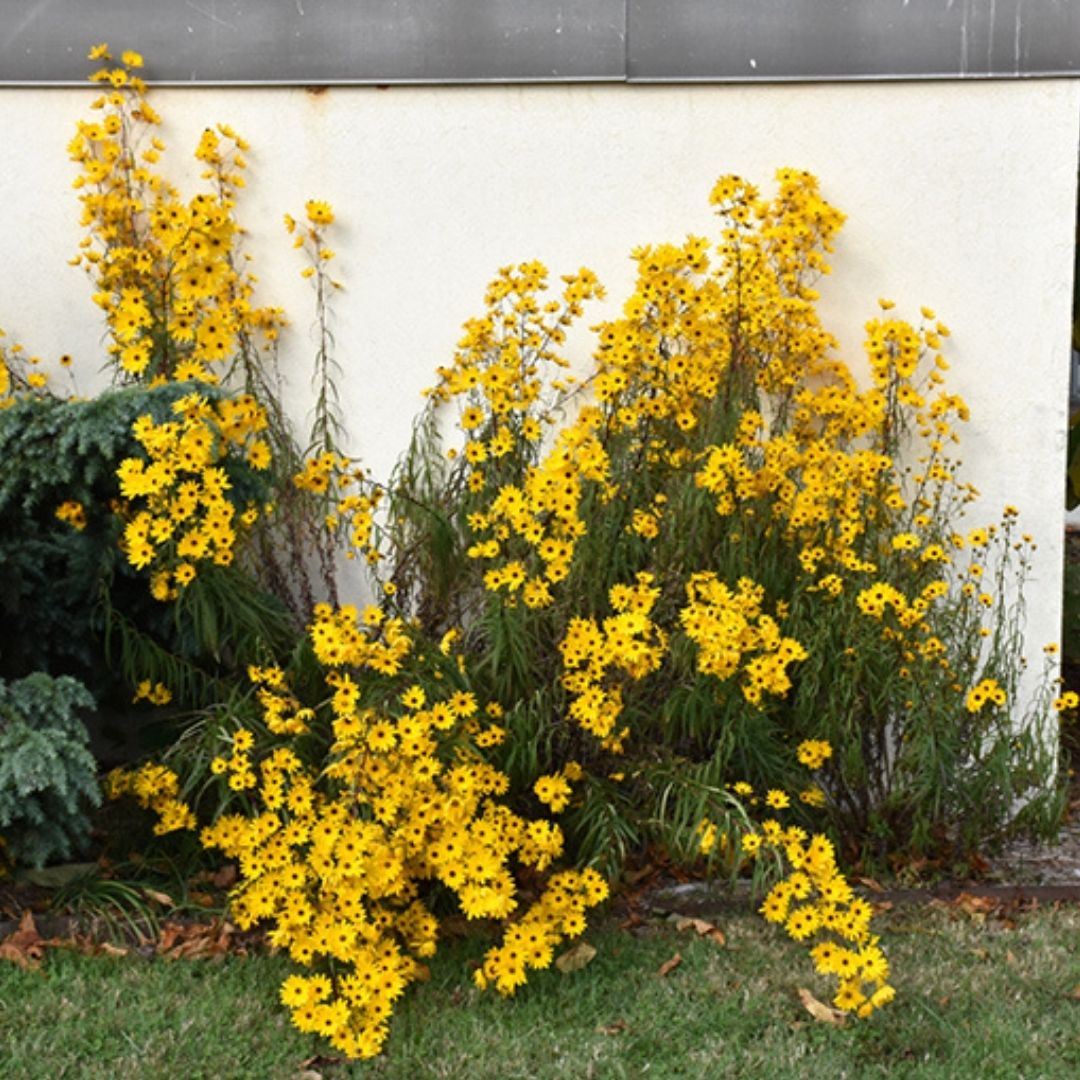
{"x": 1072, "y": 480}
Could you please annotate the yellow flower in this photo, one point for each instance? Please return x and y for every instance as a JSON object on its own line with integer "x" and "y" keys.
{"x": 986, "y": 690}
{"x": 553, "y": 791}
{"x": 295, "y": 991}
{"x": 803, "y": 922}
{"x": 318, "y": 212}
{"x": 707, "y": 836}
{"x": 751, "y": 843}
{"x": 775, "y": 906}
{"x": 813, "y": 753}
{"x": 414, "y": 697}
{"x": 72, "y": 513}
{"x": 258, "y": 455}
{"x": 184, "y": 574}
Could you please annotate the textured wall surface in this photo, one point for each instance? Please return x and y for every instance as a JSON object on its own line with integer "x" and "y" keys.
{"x": 960, "y": 196}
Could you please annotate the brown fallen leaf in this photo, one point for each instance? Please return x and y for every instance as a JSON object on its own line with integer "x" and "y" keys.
{"x": 312, "y": 1065}
{"x": 819, "y": 1010}
{"x": 616, "y": 1027}
{"x": 668, "y": 966}
{"x": 225, "y": 878}
{"x": 690, "y": 922}
{"x": 702, "y": 929}
{"x": 24, "y": 946}
{"x": 640, "y": 874}
{"x": 975, "y": 905}
{"x": 159, "y": 897}
{"x": 575, "y": 958}
{"x": 187, "y": 942}
{"x": 870, "y": 883}
{"x": 170, "y": 935}
{"x": 107, "y": 948}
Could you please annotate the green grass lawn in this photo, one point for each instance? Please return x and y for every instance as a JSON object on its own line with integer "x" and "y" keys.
{"x": 976, "y": 998}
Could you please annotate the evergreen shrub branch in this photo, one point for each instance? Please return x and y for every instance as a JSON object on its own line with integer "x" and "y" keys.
{"x": 48, "y": 777}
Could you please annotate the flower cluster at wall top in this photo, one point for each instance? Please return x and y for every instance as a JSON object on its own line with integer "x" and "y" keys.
{"x": 611, "y": 613}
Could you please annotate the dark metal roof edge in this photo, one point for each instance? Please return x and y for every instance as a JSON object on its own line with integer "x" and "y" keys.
{"x": 588, "y": 80}
{"x": 851, "y": 40}
{"x": 527, "y": 42}
{"x": 789, "y": 80}
{"x": 302, "y": 84}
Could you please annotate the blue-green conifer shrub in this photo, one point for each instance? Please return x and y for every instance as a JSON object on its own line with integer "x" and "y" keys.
{"x": 48, "y": 777}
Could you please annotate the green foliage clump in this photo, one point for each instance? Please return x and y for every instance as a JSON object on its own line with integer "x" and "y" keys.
{"x": 62, "y": 452}
{"x": 48, "y": 777}
{"x": 71, "y": 602}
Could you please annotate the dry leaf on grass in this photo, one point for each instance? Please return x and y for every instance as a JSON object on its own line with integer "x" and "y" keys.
{"x": 871, "y": 883}
{"x": 575, "y": 958}
{"x": 976, "y": 905}
{"x": 668, "y": 966}
{"x": 310, "y": 1066}
{"x": 819, "y": 1010}
{"x": 106, "y": 948}
{"x": 702, "y": 929}
{"x": 616, "y": 1027}
{"x": 24, "y": 946}
{"x": 179, "y": 941}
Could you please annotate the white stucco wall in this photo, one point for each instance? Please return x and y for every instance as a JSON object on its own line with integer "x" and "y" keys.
{"x": 960, "y": 196}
